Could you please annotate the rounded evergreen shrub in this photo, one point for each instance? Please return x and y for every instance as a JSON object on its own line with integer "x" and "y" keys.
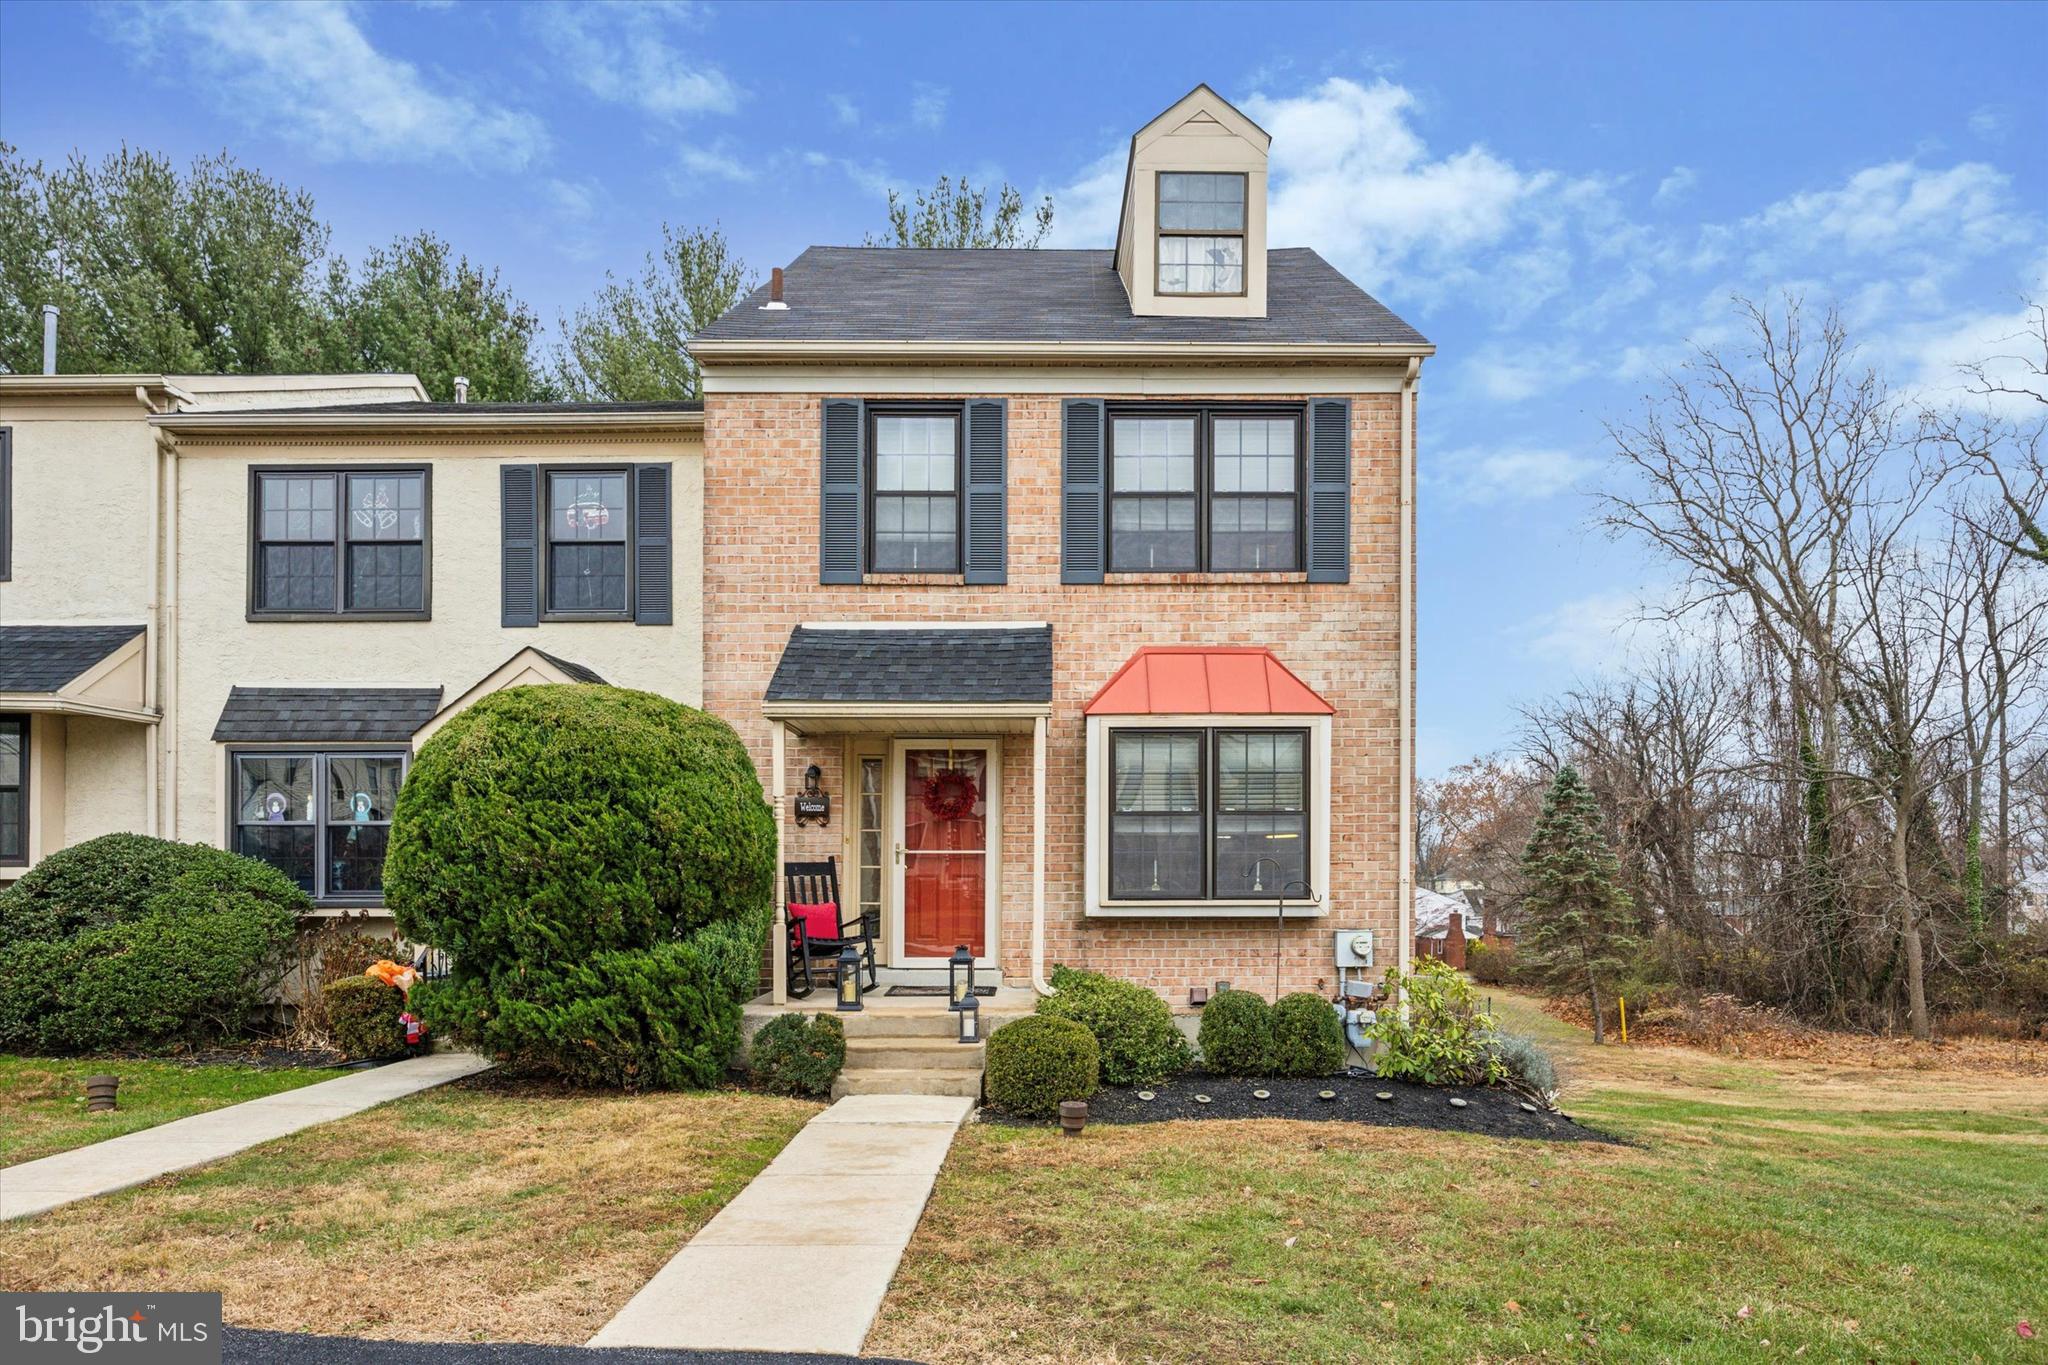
{"x": 1037, "y": 1061}
{"x": 1236, "y": 1036}
{"x": 1490, "y": 966}
{"x": 362, "y": 1016}
{"x": 599, "y": 863}
{"x": 1308, "y": 1038}
{"x": 1132, "y": 1026}
{"x": 129, "y": 941}
{"x": 795, "y": 1054}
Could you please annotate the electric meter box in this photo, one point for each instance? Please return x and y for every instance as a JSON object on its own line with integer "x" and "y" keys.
{"x": 1354, "y": 948}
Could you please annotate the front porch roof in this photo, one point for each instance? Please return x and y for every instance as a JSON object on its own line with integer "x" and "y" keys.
{"x": 75, "y": 670}
{"x": 841, "y": 678}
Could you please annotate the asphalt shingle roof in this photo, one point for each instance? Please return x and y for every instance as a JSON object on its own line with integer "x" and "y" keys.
{"x": 325, "y": 715}
{"x": 44, "y": 658}
{"x": 915, "y": 664}
{"x": 573, "y": 670}
{"x": 908, "y": 294}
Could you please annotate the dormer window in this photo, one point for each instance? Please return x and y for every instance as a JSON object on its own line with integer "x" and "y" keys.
{"x": 1201, "y": 232}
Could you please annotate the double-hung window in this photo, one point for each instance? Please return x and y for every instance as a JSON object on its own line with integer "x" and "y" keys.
{"x": 1216, "y": 489}
{"x": 914, "y": 514}
{"x": 1207, "y": 814}
{"x": 1201, "y": 232}
{"x": 339, "y": 542}
{"x": 13, "y": 791}
{"x": 323, "y": 818}
{"x": 589, "y": 526}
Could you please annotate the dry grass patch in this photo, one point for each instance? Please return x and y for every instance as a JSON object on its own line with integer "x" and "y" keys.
{"x": 480, "y": 1211}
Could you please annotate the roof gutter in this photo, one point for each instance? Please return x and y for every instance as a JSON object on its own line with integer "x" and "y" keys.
{"x": 314, "y": 420}
{"x": 153, "y": 391}
{"x": 748, "y": 352}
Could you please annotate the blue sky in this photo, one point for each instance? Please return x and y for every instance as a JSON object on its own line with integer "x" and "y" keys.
{"x": 1558, "y": 196}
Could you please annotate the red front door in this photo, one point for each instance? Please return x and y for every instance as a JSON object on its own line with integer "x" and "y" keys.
{"x": 945, "y": 851}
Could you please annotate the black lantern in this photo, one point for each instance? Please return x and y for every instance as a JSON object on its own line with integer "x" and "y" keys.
{"x": 969, "y": 1016}
{"x": 849, "y": 978}
{"x": 960, "y": 978}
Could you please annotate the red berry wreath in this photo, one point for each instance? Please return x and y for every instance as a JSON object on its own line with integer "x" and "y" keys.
{"x": 950, "y": 793}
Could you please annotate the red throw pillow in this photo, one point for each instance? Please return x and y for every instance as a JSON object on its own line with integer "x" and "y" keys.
{"x": 819, "y": 921}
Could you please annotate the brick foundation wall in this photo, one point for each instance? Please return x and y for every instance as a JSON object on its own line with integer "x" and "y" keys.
{"x": 760, "y": 580}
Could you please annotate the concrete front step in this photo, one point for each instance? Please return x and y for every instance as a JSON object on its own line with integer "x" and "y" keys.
{"x": 927, "y": 1054}
{"x": 889, "y": 1080}
{"x": 936, "y": 1021}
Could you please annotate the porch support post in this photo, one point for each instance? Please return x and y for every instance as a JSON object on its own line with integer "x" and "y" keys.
{"x": 778, "y": 935}
{"x": 1038, "y": 732}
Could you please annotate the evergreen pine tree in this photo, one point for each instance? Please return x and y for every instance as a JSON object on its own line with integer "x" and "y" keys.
{"x": 1577, "y": 928}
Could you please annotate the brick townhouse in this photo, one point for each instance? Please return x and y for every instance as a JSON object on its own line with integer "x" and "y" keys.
{"x": 1078, "y": 583}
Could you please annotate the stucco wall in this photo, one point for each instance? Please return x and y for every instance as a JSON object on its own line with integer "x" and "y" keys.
{"x": 216, "y": 647}
{"x": 1342, "y": 639}
{"x": 105, "y": 777}
{"x": 81, "y": 512}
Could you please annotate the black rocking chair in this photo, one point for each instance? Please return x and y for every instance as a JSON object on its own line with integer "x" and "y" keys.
{"x": 818, "y": 884}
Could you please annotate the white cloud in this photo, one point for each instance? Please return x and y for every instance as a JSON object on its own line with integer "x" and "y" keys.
{"x": 1509, "y": 474}
{"x": 928, "y": 107}
{"x": 716, "y": 163}
{"x": 632, "y": 54}
{"x": 574, "y": 201}
{"x": 308, "y": 72}
{"x": 1608, "y": 630}
{"x": 1989, "y": 122}
{"x": 1676, "y": 187}
{"x": 845, "y": 110}
{"x": 1893, "y": 207}
{"x": 1085, "y": 210}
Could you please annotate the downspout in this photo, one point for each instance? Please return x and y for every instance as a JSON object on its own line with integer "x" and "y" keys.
{"x": 1038, "y": 733}
{"x": 153, "y": 641}
{"x": 1405, "y": 865}
{"x": 167, "y": 638}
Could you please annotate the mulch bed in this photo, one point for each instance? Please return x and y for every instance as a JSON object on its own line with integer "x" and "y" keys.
{"x": 256, "y": 1056}
{"x": 1487, "y": 1111}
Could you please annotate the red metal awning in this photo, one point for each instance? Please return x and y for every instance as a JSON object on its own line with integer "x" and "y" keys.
{"x": 1197, "y": 680}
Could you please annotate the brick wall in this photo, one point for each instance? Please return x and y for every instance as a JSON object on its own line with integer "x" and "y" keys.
{"x": 761, "y": 579}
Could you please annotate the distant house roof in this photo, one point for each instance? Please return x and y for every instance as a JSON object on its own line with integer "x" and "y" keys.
{"x": 1433, "y": 911}
{"x": 325, "y": 715}
{"x": 909, "y": 294}
{"x": 1185, "y": 680}
{"x": 938, "y": 665}
{"x": 44, "y": 658}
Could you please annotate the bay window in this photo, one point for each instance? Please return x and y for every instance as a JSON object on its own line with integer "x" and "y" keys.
{"x": 1215, "y": 814}
{"x": 323, "y": 818}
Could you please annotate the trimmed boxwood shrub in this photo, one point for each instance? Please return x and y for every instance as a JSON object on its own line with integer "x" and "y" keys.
{"x": 1037, "y": 1061}
{"x": 795, "y": 1054}
{"x": 1132, "y": 1026}
{"x": 362, "y": 1016}
{"x": 599, "y": 863}
{"x": 129, "y": 941}
{"x": 1237, "y": 1034}
{"x": 1308, "y": 1038}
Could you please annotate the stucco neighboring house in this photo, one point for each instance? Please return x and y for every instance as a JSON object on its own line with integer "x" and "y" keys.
{"x": 232, "y": 607}
{"x": 1081, "y": 582}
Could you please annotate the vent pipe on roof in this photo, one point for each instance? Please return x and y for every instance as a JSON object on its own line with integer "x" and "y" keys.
{"x": 49, "y": 338}
{"x": 775, "y": 302}
{"x": 461, "y": 388}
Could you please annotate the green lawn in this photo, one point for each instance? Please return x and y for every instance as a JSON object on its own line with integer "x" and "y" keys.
{"x": 1764, "y": 1209}
{"x": 44, "y": 1098}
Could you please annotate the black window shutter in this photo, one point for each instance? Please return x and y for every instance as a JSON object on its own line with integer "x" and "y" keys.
{"x": 653, "y": 559}
{"x": 518, "y": 506}
{"x": 1329, "y": 490}
{"x": 1081, "y": 490}
{"x": 842, "y": 463}
{"x": 987, "y": 482}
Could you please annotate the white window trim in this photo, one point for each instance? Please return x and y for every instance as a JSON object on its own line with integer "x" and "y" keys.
{"x": 1096, "y": 860}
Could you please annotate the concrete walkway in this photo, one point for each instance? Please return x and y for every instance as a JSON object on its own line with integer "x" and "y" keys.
{"x": 800, "y": 1260}
{"x": 117, "y": 1163}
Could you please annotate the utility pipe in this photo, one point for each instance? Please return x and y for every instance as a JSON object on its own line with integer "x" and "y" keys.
{"x": 1405, "y": 861}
